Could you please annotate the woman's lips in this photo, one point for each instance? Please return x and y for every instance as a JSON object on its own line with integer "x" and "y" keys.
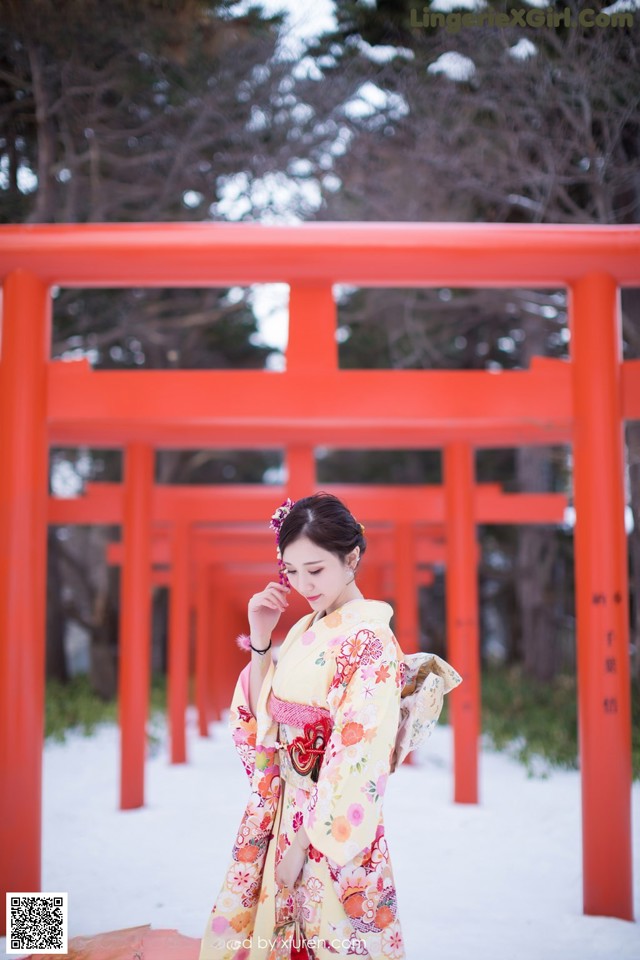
{"x": 314, "y": 598}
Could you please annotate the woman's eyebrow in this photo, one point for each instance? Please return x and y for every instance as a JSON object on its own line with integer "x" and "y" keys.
{"x": 311, "y": 563}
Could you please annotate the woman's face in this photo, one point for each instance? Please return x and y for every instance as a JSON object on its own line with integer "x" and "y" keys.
{"x": 318, "y": 575}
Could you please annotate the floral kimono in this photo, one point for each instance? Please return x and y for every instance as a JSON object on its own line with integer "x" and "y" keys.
{"x": 362, "y": 705}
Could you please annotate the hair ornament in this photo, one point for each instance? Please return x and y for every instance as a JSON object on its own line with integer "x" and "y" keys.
{"x": 283, "y": 511}
{"x": 275, "y": 523}
{"x": 361, "y": 525}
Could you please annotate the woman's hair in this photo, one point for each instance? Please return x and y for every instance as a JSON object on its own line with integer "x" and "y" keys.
{"x": 326, "y": 521}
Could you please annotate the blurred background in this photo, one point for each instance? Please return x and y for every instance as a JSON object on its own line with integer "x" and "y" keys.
{"x": 182, "y": 110}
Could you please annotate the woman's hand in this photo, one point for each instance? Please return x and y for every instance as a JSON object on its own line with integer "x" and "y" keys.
{"x": 264, "y": 611}
{"x": 288, "y": 870}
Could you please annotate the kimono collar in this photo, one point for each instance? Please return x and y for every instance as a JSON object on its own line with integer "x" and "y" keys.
{"x": 355, "y": 610}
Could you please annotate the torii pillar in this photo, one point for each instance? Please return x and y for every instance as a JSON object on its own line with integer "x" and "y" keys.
{"x": 23, "y": 542}
{"x": 134, "y": 667}
{"x": 179, "y": 634}
{"x": 600, "y": 547}
{"x": 205, "y": 698}
{"x": 406, "y": 587}
{"x": 223, "y": 662}
{"x": 301, "y": 468}
{"x": 463, "y": 645}
{"x": 406, "y": 618}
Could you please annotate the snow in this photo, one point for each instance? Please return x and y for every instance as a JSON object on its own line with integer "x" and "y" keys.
{"x": 455, "y": 65}
{"x": 523, "y": 49}
{"x": 497, "y": 880}
{"x": 369, "y": 98}
{"x": 446, "y": 6}
{"x": 303, "y": 24}
{"x": 380, "y": 53}
{"x": 622, "y": 6}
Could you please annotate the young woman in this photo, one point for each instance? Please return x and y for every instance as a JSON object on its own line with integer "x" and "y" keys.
{"x": 319, "y": 734}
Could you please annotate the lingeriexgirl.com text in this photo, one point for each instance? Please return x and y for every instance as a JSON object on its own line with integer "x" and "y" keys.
{"x": 535, "y": 18}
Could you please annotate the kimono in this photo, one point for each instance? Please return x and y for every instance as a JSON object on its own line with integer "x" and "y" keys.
{"x": 345, "y": 676}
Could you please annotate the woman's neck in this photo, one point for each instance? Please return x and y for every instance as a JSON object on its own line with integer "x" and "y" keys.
{"x": 353, "y": 595}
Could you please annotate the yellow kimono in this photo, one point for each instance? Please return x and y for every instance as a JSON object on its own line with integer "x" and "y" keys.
{"x": 349, "y": 666}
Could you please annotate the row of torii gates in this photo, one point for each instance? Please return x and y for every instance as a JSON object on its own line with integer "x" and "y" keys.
{"x": 212, "y": 545}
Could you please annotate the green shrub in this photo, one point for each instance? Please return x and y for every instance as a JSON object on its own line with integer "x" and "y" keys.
{"x": 74, "y": 705}
{"x": 532, "y": 719}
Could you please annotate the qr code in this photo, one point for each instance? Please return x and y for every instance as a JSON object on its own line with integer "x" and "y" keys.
{"x": 37, "y": 923}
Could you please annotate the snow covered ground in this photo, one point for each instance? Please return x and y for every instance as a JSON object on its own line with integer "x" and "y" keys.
{"x": 501, "y": 880}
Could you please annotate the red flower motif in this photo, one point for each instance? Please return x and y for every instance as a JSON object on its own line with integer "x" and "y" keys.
{"x": 248, "y": 853}
{"x": 382, "y": 674}
{"x": 352, "y": 733}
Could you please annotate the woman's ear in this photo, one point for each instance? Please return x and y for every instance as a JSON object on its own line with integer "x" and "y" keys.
{"x": 353, "y": 558}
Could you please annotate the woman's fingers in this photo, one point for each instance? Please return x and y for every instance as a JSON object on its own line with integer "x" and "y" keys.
{"x": 274, "y": 602}
{"x": 277, "y": 586}
{"x": 278, "y": 596}
{"x": 273, "y": 597}
{"x": 271, "y": 604}
{"x": 259, "y": 598}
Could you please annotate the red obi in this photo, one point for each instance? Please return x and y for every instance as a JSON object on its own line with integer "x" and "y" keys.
{"x": 307, "y": 750}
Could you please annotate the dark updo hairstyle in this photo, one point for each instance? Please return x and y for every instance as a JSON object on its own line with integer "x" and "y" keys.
{"x": 326, "y": 521}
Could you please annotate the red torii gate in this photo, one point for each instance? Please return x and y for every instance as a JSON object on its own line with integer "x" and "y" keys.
{"x": 176, "y": 509}
{"x": 583, "y": 401}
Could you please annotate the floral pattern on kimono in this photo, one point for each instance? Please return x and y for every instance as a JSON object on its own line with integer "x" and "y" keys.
{"x": 231, "y": 922}
{"x": 344, "y": 902}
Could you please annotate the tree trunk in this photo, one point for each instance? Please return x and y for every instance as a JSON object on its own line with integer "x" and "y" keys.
{"x": 536, "y": 556}
{"x": 103, "y": 654}
{"x": 44, "y": 207}
{"x": 536, "y": 550}
{"x": 159, "y": 621}
{"x": 56, "y": 659}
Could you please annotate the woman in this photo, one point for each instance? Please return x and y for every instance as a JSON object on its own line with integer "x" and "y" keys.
{"x": 310, "y": 875}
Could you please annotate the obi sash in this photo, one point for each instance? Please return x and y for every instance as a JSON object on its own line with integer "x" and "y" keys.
{"x": 295, "y": 714}
{"x": 304, "y": 753}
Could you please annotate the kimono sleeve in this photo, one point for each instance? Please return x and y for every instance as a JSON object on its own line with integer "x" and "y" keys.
{"x": 345, "y": 807}
{"x": 242, "y": 723}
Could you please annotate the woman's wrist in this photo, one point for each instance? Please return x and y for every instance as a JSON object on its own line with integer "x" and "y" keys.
{"x": 259, "y": 645}
{"x": 303, "y": 838}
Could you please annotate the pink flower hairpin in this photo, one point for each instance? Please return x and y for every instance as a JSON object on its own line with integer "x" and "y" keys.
{"x": 275, "y": 523}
